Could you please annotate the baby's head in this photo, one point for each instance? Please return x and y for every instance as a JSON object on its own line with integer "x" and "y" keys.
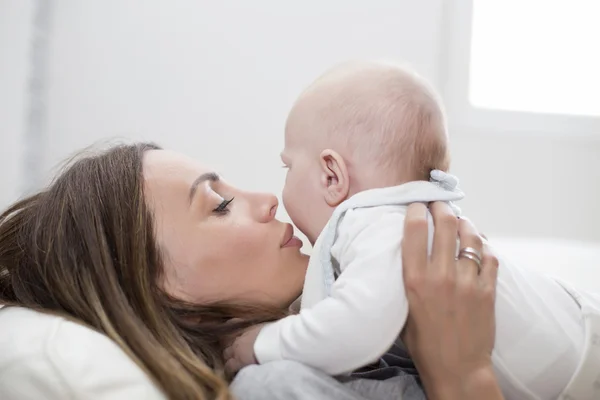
{"x": 362, "y": 125}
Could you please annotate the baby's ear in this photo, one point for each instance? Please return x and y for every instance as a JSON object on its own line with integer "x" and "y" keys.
{"x": 335, "y": 181}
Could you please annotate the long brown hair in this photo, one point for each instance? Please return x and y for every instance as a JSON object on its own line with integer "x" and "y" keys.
{"x": 85, "y": 248}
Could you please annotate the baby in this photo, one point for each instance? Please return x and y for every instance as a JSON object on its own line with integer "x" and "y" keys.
{"x": 361, "y": 143}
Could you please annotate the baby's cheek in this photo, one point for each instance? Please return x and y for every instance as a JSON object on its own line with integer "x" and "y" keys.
{"x": 286, "y": 195}
{"x": 290, "y": 198}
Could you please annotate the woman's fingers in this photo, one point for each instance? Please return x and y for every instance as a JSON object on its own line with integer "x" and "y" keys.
{"x": 414, "y": 243}
{"x": 444, "y": 237}
{"x": 469, "y": 268}
{"x": 489, "y": 271}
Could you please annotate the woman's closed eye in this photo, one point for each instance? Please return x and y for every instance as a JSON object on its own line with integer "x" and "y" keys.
{"x": 222, "y": 208}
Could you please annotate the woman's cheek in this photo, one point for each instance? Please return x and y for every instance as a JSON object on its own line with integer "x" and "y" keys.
{"x": 249, "y": 243}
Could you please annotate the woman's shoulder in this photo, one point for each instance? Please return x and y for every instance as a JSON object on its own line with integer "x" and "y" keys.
{"x": 47, "y": 356}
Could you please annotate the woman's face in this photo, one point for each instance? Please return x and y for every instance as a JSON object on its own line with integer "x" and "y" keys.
{"x": 216, "y": 248}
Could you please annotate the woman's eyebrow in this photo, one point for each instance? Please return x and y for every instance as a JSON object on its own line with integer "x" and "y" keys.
{"x": 209, "y": 176}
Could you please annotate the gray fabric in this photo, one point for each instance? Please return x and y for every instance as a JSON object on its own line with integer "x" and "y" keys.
{"x": 288, "y": 380}
{"x": 395, "y": 388}
{"x": 395, "y": 362}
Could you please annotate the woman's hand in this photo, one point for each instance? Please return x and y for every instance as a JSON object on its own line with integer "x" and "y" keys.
{"x": 451, "y": 324}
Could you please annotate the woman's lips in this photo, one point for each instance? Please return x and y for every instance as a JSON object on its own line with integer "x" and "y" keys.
{"x": 293, "y": 242}
{"x": 289, "y": 240}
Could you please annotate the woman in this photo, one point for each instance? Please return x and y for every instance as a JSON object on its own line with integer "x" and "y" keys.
{"x": 156, "y": 252}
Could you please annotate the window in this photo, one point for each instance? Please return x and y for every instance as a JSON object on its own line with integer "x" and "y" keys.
{"x": 527, "y": 65}
{"x": 536, "y": 56}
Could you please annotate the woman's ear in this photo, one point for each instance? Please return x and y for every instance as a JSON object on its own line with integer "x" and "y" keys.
{"x": 334, "y": 177}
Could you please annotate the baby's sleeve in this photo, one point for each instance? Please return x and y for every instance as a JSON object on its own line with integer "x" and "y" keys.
{"x": 366, "y": 310}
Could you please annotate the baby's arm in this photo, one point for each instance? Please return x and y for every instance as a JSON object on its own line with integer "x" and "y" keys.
{"x": 367, "y": 307}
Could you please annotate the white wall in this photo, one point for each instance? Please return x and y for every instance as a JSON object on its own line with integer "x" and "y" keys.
{"x": 212, "y": 79}
{"x": 14, "y": 51}
{"x": 530, "y": 186}
{"x": 216, "y": 79}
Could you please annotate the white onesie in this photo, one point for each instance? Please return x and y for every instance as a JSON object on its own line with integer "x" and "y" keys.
{"x": 354, "y": 305}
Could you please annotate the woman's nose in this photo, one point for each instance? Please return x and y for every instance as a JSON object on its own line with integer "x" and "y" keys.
{"x": 268, "y": 207}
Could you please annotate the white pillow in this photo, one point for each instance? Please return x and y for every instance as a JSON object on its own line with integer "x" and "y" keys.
{"x": 47, "y": 357}
{"x": 572, "y": 261}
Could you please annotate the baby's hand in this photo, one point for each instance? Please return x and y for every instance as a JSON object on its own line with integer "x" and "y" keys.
{"x": 240, "y": 352}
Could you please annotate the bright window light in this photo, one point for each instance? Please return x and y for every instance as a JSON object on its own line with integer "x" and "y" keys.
{"x": 540, "y": 56}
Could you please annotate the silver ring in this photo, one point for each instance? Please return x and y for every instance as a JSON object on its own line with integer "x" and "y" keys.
{"x": 472, "y": 251}
{"x": 471, "y": 257}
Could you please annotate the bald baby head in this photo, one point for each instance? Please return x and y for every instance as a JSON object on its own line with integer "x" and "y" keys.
{"x": 383, "y": 119}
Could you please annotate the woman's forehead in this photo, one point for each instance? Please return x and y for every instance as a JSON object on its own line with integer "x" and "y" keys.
{"x": 170, "y": 171}
{"x": 171, "y": 164}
